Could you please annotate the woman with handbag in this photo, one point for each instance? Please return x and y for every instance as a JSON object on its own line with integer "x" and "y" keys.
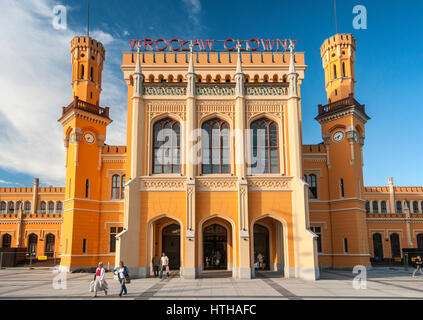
{"x": 123, "y": 277}
{"x": 100, "y": 283}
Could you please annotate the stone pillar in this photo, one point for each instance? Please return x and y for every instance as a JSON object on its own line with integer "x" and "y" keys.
{"x": 391, "y": 195}
{"x": 190, "y": 271}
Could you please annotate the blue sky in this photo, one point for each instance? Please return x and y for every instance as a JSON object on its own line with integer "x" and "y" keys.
{"x": 389, "y": 67}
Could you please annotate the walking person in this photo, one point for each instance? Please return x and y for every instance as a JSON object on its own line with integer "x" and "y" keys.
{"x": 418, "y": 262}
{"x": 123, "y": 274}
{"x": 156, "y": 265}
{"x": 164, "y": 260}
{"x": 100, "y": 284}
{"x": 260, "y": 259}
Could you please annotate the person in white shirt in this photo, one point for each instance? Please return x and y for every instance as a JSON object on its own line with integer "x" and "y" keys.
{"x": 164, "y": 262}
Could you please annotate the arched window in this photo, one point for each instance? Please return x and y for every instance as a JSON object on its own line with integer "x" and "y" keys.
{"x": 82, "y": 72}
{"x": 420, "y": 241}
{"x": 395, "y": 245}
{"x": 375, "y": 206}
{"x": 265, "y": 149}
{"x": 122, "y": 187}
{"x": 6, "y": 241}
{"x": 59, "y": 207}
{"x": 49, "y": 246}
{"x": 399, "y": 207}
{"x": 367, "y": 207}
{"x": 43, "y": 207}
{"x": 415, "y": 207}
{"x": 11, "y": 207}
{"x": 87, "y": 188}
{"x": 377, "y": 246}
{"x": 27, "y": 207}
{"x": 116, "y": 186}
{"x": 215, "y": 147}
{"x": 275, "y": 78}
{"x": 50, "y": 207}
{"x": 166, "y": 147}
{"x": 312, "y": 186}
{"x": 383, "y": 206}
{"x": 256, "y": 78}
{"x": 265, "y": 78}
{"x": 334, "y": 72}
{"x": 32, "y": 244}
{"x": 3, "y": 207}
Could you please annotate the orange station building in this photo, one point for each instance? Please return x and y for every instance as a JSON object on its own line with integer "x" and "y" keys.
{"x": 214, "y": 172}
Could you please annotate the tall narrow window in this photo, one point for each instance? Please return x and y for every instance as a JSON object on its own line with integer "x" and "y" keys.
{"x": 27, "y": 207}
{"x": 312, "y": 182}
{"x": 318, "y": 232}
{"x": 43, "y": 207}
{"x": 334, "y": 72}
{"x": 122, "y": 188}
{"x": 383, "y": 206}
{"x": 116, "y": 186}
{"x": 11, "y": 207}
{"x": 82, "y": 72}
{"x": 415, "y": 207}
{"x": 341, "y": 186}
{"x": 50, "y": 207}
{"x": 113, "y": 232}
{"x": 3, "y": 207}
{"x": 215, "y": 147}
{"x": 345, "y": 245}
{"x": 84, "y": 245}
{"x": 59, "y": 207}
{"x": 265, "y": 149}
{"x": 166, "y": 147}
{"x": 367, "y": 207}
{"x": 343, "y": 69}
{"x": 421, "y": 206}
{"x": 399, "y": 207}
{"x": 92, "y": 74}
{"x": 375, "y": 207}
{"x": 87, "y": 189}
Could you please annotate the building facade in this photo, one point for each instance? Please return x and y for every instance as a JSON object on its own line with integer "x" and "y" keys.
{"x": 214, "y": 172}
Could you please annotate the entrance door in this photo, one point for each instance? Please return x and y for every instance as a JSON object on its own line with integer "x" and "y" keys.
{"x": 171, "y": 245}
{"x": 32, "y": 244}
{"x": 377, "y": 246}
{"x": 261, "y": 247}
{"x": 49, "y": 247}
{"x": 215, "y": 247}
{"x": 395, "y": 245}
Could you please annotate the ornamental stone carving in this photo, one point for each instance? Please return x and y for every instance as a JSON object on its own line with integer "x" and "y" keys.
{"x": 162, "y": 184}
{"x": 217, "y": 184}
{"x": 266, "y": 91}
{"x": 164, "y": 91}
{"x": 269, "y": 184}
{"x": 215, "y": 91}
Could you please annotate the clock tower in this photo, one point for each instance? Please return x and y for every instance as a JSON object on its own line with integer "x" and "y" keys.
{"x": 84, "y": 131}
{"x": 343, "y": 122}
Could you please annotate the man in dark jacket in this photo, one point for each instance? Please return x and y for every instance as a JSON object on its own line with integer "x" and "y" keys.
{"x": 418, "y": 263}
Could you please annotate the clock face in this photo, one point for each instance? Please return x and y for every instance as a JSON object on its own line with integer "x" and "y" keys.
{"x": 89, "y": 138}
{"x": 338, "y": 136}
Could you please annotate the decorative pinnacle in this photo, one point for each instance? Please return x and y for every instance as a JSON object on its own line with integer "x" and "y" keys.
{"x": 191, "y": 60}
{"x": 239, "y": 64}
{"x": 138, "y": 65}
{"x": 291, "y": 62}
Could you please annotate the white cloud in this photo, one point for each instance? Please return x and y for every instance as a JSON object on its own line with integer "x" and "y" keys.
{"x": 103, "y": 37}
{"x": 194, "y": 10}
{"x": 35, "y": 83}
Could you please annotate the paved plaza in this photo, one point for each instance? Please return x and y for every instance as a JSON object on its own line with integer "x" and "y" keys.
{"x": 382, "y": 283}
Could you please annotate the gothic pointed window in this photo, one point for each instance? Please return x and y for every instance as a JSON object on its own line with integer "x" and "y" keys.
{"x": 375, "y": 206}
{"x": 59, "y": 207}
{"x": 3, "y": 207}
{"x": 115, "y": 186}
{"x": 166, "y": 147}
{"x": 50, "y": 207}
{"x": 43, "y": 207}
{"x": 27, "y": 207}
{"x": 11, "y": 207}
{"x": 265, "y": 148}
{"x": 215, "y": 147}
{"x": 415, "y": 207}
{"x": 383, "y": 206}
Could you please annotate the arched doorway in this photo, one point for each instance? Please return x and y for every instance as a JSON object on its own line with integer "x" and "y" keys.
{"x": 261, "y": 247}
{"x": 215, "y": 255}
{"x": 49, "y": 246}
{"x": 395, "y": 245}
{"x": 6, "y": 241}
{"x": 377, "y": 247}
{"x": 32, "y": 244}
{"x": 171, "y": 245}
